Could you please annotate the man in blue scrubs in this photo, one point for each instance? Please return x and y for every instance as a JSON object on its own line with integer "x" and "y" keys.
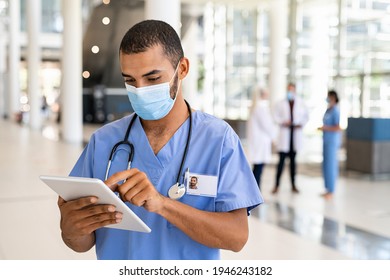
{"x": 194, "y": 226}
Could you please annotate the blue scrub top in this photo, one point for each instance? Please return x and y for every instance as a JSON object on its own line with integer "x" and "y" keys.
{"x": 332, "y": 118}
{"x": 214, "y": 150}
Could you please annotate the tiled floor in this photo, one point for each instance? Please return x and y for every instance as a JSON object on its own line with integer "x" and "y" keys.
{"x": 354, "y": 225}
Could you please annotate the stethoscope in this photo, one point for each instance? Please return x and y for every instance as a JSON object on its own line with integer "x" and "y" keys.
{"x": 178, "y": 190}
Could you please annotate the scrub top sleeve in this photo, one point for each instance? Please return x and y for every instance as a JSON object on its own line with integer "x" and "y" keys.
{"x": 237, "y": 187}
{"x": 84, "y": 165}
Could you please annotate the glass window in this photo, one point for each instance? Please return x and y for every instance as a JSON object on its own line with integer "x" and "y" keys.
{"x": 51, "y": 16}
{"x": 347, "y": 50}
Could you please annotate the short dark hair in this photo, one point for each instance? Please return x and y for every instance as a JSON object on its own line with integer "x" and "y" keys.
{"x": 291, "y": 84}
{"x": 149, "y": 33}
{"x": 334, "y": 94}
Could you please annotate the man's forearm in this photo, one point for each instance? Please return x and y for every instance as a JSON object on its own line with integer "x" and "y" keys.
{"x": 224, "y": 230}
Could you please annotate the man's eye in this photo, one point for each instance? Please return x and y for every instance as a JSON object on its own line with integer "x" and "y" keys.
{"x": 129, "y": 81}
{"x": 154, "y": 79}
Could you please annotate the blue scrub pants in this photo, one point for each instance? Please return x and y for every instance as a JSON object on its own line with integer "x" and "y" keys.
{"x": 330, "y": 166}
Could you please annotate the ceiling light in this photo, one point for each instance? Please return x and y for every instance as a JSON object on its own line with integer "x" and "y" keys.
{"x": 106, "y": 20}
{"x": 86, "y": 74}
{"x": 95, "y": 49}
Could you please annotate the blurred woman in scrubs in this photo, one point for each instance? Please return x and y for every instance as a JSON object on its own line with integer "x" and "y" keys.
{"x": 331, "y": 143}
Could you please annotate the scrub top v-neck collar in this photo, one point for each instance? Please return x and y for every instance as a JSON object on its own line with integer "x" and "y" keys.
{"x": 174, "y": 147}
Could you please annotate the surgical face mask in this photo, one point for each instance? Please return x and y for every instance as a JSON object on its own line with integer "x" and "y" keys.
{"x": 152, "y": 102}
{"x": 290, "y": 95}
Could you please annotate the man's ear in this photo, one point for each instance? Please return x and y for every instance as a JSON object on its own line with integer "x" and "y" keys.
{"x": 184, "y": 67}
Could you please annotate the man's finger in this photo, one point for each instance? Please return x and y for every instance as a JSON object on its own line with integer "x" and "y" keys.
{"x": 78, "y": 203}
{"x": 113, "y": 181}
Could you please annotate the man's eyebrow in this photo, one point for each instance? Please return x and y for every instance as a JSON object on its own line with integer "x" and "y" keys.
{"x": 153, "y": 72}
{"x": 126, "y": 75}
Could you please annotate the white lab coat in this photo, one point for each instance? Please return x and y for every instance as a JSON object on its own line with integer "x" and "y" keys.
{"x": 261, "y": 131}
{"x": 282, "y": 114}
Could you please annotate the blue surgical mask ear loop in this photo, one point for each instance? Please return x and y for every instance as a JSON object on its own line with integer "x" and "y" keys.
{"x": 178, "y": 190}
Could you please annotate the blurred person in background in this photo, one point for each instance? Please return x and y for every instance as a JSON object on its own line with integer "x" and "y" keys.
{"x": 260, "y": 132}
{"x": 331, "y": 143}
{"x": 291, "y": 115}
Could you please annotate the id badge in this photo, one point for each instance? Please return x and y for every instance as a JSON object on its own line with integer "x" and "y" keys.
{"x": 202, "y": 185}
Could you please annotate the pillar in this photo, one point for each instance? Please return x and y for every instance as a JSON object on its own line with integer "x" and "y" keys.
{"x": 2, "y": 69}
{"x": 341, "y": 43}
{"x": 34, "y": 15}
{"x": 208, "y": 95}
{"x": 292, "y": 35}
{"x": 190, "y": 84}
{"x": 13, "y": 59}
{"x": 71, "y": 84}
{"x": 320, "y": 59}
{"x": 167, "y": 10}
{"x": 278, "y": 16}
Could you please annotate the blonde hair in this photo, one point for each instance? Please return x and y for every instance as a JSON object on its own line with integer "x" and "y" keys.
{"x": 258, "y": 92}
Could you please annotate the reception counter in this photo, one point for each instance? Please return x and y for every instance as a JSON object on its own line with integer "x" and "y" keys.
{"x": 368, "y": 145}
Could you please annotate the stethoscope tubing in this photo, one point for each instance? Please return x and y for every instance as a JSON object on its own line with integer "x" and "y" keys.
{"x": 187, "y": 143}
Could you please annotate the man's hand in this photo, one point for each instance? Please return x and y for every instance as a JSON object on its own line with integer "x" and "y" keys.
{"x": 81, "y": 217}
{"x": 137, "y": 189}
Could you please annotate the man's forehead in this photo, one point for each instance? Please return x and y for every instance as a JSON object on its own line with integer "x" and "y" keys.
{"x": 143, "y": 64}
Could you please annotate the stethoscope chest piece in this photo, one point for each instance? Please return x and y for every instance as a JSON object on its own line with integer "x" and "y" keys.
{"x": 176, "y": 191}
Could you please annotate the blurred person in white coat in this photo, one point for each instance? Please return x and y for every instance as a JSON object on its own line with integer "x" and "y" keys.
{"x": 261, "y": 131}
{"x": 291, "y": 115}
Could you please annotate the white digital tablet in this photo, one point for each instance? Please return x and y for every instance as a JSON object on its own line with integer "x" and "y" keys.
{"x": 70, "y": 188}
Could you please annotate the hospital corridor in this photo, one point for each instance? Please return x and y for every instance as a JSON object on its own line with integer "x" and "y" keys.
{"x": 304, "y": 226}
{"x": 298, "y": 90}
